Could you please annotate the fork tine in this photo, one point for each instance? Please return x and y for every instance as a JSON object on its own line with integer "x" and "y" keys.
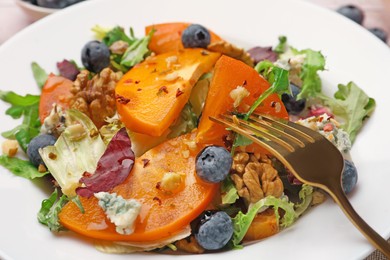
{"x": 276, "y": 146}
{"x": 259, "y": 131}
{"x": 302, "y": 132}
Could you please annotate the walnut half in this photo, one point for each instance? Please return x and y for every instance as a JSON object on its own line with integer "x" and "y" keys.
{"x": 255, "y": 177}
{"x": 95, "y": 97}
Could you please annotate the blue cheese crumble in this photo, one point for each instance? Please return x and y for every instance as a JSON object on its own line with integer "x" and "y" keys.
{"x": 120, "y": 211}
{"x": 329, "y": 128}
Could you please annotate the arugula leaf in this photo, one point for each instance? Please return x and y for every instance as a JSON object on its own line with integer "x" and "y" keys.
{"x": 137, "y": 51}
{"x": 40, "y": 74}
{"x": 28, "y": 107}
{"x": 20, "y": 167}
{"x": 353, "y": 105}
{"x": 228, "y": 191}
{"x": 48, "y": 214}
{"x": 278, "y": 77}
{"x": 311, "y": 82}
{"x": 117, "y": 34}
{"x": 241, "y": 221}
{"x": 281, "y": 47}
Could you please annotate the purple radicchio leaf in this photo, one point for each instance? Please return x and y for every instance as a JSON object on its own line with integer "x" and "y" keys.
{"x": 113, "y": 167}
{"x": 68, "y": 69}
{"x": 262, "y": 53}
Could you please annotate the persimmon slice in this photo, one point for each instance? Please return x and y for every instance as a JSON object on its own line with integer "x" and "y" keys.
{"x": 230, "y": 73}
{"x": 163, "y": 213}
{"x": 167, "y": 37}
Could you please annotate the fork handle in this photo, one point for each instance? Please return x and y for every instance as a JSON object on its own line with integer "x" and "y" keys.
{"x": 371, "y": 235}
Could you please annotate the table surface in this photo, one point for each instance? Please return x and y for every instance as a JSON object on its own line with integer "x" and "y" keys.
{"x": 377, "y": 14}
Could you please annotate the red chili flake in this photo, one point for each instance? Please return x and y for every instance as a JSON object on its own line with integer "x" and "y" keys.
{"x": 87, "y": 174}
{"x": 320, "y": 119}
{"x": 179, "y": 92}
{"x": 128, "y": 81}
{"x": 273, "y": 104}
{"x": 122, "y": 99}
{"x": 158, "y": 185}
{"x": 137, "y": 82}
{"x": 139, "y": 89}
{"x": 328, "y": 127}
{"x": 163, "y": 89}
{"x": 204, "y": 53}
{"x": 244, "y": 83}
{"x": 146, "y": 162}
{"x": 158, "y": 200}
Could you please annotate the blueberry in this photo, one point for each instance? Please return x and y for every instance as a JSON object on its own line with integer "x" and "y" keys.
{"x": 37, "y": 142}
{"x": 214, "y": 231}
{"x": 95, "y": 56}
{"x": 195, "y": 36}
{"x": 382, "y": 35}
{"x": 352, "y": 12}
{"x": 349, "y": 177}
{"x": 56, "y": 4}
{"x": 213, "y": 164}
{"x": 293, "y": 106}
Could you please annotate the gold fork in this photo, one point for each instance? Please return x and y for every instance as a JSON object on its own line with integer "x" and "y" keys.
{"x": 309, "y": 156}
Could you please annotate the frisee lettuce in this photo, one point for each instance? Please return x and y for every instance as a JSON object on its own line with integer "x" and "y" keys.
{"x": 228, "y": 191}
{"x": 306, "y": 196}
{"x": 351, "y": 104}
{"x": 241, "y": 221}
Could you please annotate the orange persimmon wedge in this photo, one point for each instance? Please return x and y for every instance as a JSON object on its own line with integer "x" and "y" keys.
{"x": 152, "y": 94}
{"x": 162, "y": 213}
{"x": 56, "y": 90}
{"x": 230, "y": 73}
{"x": 167, "y": 37}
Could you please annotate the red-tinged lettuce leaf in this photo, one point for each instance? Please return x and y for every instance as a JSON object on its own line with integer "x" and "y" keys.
{"x": 262, "y": 53}
{"x": 113, "y": 167}
{"x": 68, "y": 69}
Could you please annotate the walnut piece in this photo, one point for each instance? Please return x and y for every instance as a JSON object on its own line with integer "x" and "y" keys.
{"x": 254, "y": 177}
{"x": 96, "y": 97}
{"x": 231, "y": 50}
{"x": 189, "y": 245}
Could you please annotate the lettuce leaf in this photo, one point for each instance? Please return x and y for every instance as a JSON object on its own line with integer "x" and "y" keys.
{"x": 137, "y": 51}
{"x": 26, "y": 107}
{"x": 241, "y": 221}
{"x": 21, "y": 167}
{"x": 69, "y": 158}
{"x": 40, "y": 75}
{"x": 228, "y": 191}
{"x": 48, "y": 214}
{"x": 306, "y": 196}
{"x": 353, "y": 105}
{"x": 311, "y": 82}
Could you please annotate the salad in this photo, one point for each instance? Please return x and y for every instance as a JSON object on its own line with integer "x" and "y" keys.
{"x": 135, "y": 162}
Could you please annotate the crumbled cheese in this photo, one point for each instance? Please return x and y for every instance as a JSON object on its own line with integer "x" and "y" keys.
{"x": 171, "y": 60}
{"x": 329, "y": 128}
{"x": 171, "y": 181}
{"x": 120, "y": 211}
{"x": 172, "y": 76}
{"x": 10, "y": 147}
{"x": 297, "y": 61}
{"x": 238, "y": 94}
{"x": 54, "y": 123}
{"x": 75, "y": 132}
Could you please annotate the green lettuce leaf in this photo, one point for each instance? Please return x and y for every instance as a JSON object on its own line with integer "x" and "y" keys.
{"x": 311, "y": 82}
{"x": 353, "y": 105}
{"x": 20, "y": 167}
{"x": 282, "y": 45}
{"x": 40, "y": 74}
{"x": 26, "y": 107}
{"x": 306, "y": 196}
{"x": 137, "y": 51}
{"x": 228, "y": 191}
{"x": 48, "y": 214}
{"x": 241, "y": 221}
{"x": 70, "y": 157}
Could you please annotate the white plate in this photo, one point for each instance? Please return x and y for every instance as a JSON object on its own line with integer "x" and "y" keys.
{"x": 352, "y": 54}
